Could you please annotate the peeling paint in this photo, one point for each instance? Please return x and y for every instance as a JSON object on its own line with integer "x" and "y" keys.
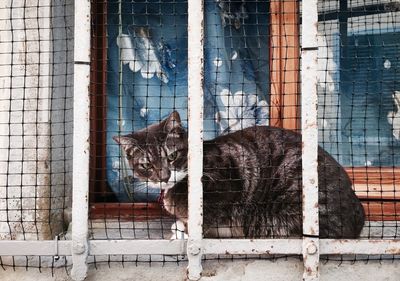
{"x": 309, "y": 126}
{"x": 393, "y": 251}
{"x": 195, "y": 140}
{"x": 81, "y": 138}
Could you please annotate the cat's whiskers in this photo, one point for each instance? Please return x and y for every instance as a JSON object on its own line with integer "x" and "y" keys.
{"x": 209, "y": 176}
{"x": 176, "y": 176}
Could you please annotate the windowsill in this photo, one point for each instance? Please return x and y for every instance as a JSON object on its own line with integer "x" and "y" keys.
{"x": 128, "y": 211}
{"x": 376, "y": 209}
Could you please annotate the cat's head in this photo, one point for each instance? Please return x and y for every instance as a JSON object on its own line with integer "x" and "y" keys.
{"x": 158, "y": 154}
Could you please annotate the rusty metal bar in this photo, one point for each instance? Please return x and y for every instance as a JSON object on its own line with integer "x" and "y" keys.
{"x": 309, "y": 127}
{"x": 195, "y": 150}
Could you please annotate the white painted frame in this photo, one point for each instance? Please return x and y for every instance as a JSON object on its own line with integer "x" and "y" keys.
{"x": 195, "y": 136}
{"x": 309, "y": 130}
{"x": 81, "y": 137}
{"x": 209, "y": 246}
{"x": 310, "y": 246}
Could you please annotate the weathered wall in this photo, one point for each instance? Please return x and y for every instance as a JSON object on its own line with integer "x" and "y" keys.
{"x": 35, "y": 117}
{"x": 251, "y": 270}
{"x": 61, "y": 113}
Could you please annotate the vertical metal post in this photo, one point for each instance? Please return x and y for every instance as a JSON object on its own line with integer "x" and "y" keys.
{"x": 195, "y": 153}
{"x": 81, "y": 139}
{"x": 310, "y": 139}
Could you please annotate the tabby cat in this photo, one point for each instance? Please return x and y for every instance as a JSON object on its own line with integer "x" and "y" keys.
{"x": 252, "y": 181}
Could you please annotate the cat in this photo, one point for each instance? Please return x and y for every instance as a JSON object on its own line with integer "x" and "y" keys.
{"x": 252, "y": 181}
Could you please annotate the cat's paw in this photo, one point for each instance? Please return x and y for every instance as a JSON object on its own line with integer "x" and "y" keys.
{"x": 178, "y": 230}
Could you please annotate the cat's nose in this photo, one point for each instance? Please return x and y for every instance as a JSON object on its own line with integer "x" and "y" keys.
{"x": 165, "y": 174}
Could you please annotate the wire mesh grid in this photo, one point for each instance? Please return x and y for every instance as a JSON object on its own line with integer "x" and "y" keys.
{"x": 35, "y": 124}
{"x": 252, "y": 177}
{"x": 147, "y": 80}
{"x": 358, "y": 82}
{"x": 251, "y": 78}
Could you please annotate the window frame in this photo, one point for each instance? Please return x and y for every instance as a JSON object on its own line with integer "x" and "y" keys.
{"x": 375, "y": 186}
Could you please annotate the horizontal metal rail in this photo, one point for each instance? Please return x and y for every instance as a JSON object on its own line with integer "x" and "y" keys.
{"x": 210, "y": 246}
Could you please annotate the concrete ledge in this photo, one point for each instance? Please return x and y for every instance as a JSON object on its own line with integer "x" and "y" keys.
{"x": 254, "y": 270}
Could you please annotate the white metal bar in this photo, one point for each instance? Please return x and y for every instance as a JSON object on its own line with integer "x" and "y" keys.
{"x": 294, "y": 246}
{"x": 210, "y": 246}
{"x": 138, "y": 247}
{"x": 309, "y": 127}
{"x": 367, "y": 247}
{"x": 35, "y": 248}
{"x": 250, "y": 246}
{"x": 81, "y": 136}
{"x": 195, "y": 141}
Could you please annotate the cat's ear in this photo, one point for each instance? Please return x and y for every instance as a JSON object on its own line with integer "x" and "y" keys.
{"x": 126, "y": 142}
{"x": 173, "y": 122}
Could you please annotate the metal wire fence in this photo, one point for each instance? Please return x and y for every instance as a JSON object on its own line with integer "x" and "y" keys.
{"x": 36, "y": 62}
{"x": 258, "y": 72}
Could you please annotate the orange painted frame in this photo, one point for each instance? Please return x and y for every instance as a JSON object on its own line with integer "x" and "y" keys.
{"x": 285, "y": 64}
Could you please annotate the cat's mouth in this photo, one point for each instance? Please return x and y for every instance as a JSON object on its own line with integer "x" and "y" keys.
{"x": 162, "y": 186}
{"x": 176, "y": 176}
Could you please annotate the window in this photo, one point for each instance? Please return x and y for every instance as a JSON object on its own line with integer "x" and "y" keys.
{"x": 359, "y": 79}
{"x": 240, "y": 44}
{"x": 139, "y": 76}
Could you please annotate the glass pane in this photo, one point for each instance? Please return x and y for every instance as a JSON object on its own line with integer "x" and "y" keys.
{"x": 359, "y": 84}
{"x": 147, "y": 74}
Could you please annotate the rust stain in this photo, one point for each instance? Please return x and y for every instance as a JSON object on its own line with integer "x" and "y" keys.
{"x": 209, "y": 273}
{"x": 393, "y": 251}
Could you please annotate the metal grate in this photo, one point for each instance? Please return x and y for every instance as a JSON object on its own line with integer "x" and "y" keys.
{"x": 196, "y": 127}
{"x": 36, "y": 95}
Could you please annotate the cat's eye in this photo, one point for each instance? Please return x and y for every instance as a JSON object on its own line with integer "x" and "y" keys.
{"x": 173, "y": 156}
{"x": 146, "y": 166}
